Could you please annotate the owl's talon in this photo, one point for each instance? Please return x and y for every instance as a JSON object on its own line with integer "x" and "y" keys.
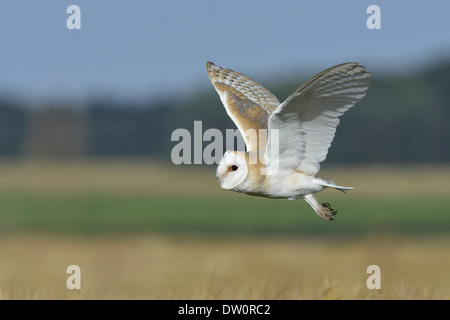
{"x": 327, "y": 212}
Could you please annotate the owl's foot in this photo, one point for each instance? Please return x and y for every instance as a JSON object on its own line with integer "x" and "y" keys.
{"x": 326, "y": 212}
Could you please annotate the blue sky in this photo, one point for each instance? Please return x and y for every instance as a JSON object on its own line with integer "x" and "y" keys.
{"x": 134, "y": 49}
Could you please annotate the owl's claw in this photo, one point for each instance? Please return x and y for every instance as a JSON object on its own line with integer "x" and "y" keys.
{"x": 327, "y": 212}
{"x": 326, "y": 204}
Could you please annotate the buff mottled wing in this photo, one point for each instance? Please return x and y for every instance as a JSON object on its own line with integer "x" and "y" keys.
{"x": 247, "y": 103}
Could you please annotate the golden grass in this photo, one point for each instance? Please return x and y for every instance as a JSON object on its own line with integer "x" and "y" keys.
{"x": 163, "y": 267}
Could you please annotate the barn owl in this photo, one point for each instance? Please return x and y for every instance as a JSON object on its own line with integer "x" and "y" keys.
{"x": 305, "y": 124}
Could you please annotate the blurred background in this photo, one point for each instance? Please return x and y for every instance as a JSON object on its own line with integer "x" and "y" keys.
{"x": 86, "y": 178}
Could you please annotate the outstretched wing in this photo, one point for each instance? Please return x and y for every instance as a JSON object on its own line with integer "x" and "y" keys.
{"x": 247, "y": 103}
{"x": 307, "y": 120}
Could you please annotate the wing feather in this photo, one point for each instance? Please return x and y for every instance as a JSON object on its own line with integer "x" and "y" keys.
{"x": 247, "y": 103}
{"x": 308, "y": 118}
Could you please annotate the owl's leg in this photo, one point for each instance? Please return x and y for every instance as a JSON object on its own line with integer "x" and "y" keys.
{"x": 324, "y": 210}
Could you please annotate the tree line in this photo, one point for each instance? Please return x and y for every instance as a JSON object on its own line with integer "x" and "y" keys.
{"x": 402, "y": 119}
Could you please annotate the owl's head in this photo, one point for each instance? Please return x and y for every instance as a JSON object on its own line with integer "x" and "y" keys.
{"x": 232, "y": 169}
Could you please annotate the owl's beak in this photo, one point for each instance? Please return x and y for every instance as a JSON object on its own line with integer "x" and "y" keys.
{"x": 221, "y": 173}
{"x": 220, "y": 178}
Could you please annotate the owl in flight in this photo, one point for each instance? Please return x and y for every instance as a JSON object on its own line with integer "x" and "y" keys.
{"x": 293, "y": 137}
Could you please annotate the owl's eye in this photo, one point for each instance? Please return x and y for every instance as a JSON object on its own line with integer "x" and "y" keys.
{"x": 234, "y": 168}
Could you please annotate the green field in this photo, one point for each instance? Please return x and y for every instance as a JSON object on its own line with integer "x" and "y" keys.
{"x": 223, "y": 215}
{"x": 146, "y": 231}
{"x": 95, "y": 197}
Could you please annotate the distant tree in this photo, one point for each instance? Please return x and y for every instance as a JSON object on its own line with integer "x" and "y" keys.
{"x": 402, "y": 119}
{"x": 56, "y": 132}
{"x": 13, "y": 128}
{"x": 116, "y": 129}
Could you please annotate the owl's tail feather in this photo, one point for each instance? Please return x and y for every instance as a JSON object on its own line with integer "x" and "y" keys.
{"x": 330, "y": 184}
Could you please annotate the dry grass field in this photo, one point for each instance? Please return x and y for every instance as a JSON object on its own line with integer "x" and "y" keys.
{"x": 161, "y": 267}
{"x": 47, "y": 211}
{"x": 144, "y": 177}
